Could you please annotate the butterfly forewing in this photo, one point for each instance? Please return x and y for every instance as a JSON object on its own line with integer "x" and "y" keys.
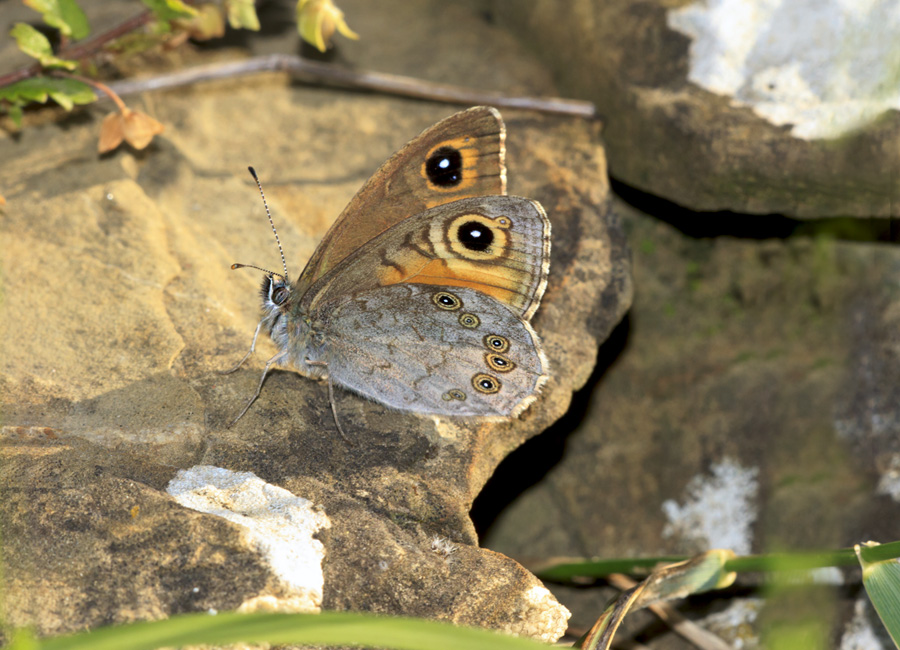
{"x": 461, "y": 156}
{"x": 498, "y": 245}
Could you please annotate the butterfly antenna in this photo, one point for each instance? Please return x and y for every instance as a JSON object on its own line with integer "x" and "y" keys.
{"x": 271, "y": 223}
{"x": 258, "y": 268}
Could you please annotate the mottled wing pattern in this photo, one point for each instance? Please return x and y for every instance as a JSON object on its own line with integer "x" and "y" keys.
{"x": 434, "y": 350}
{"x": 460, "y": 156}
{"x": 497, "y": 245}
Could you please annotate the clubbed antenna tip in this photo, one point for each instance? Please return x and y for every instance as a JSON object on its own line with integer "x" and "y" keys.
{"x": 272, "y": 223}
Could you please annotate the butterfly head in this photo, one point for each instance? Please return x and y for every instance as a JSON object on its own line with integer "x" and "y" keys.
{"x": 275, "y": 293}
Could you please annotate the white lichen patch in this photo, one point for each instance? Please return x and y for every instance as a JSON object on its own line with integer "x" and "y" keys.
{"x": 827, "y": 575}
{"x": 279, "y": 524}
{"x": 889, "y": 483}
{"x": 824, "y": 66}
{"x": 443, "y": 546}
{"x": 718, "y": 511}
{"x": 859, "y": 633}
{"x": 736, "y": 624}
{"x": 546, "y": 619}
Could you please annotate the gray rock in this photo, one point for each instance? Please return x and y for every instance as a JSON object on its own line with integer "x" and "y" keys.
{"x": 119, "y": 310}
{"x": 749, "y": 402}
{"x": 728, "y": 105}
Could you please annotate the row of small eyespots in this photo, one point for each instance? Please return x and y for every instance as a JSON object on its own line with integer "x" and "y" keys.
{"x": 496, "y": 344}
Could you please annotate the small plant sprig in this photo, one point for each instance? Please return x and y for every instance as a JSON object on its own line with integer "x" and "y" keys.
{"x": 678, "y": 577}
{"x": 164, "y": 22}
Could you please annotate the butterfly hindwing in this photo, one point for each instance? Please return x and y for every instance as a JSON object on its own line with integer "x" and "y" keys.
{"x": 437, "y": 350}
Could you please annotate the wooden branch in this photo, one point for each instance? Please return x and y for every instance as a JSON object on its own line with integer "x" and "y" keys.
{"x": 314, "y": 72}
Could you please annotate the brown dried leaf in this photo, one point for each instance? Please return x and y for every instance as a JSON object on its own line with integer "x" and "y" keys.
{"x": 140, "y": 129}
{"x": 135, "y": 127}
{"x": 111, "y": 132}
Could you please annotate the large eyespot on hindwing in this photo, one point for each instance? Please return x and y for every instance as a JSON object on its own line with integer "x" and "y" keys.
{"x": 498, "y": 362}
{"x": 446, "y": 300}
{"x": 496, "y": 343}
{"x": 486, "y": 384}
{"x": 444, "y": 167}
{"x": 476, "y": 237}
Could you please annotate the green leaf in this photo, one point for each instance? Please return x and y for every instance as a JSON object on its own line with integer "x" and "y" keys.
{"x": 328, "y": 628}
{"x": 881, "y": 578}
{"x": 242, "y": 14}
{"x": 15, "y": 114}
{"x": 65, "y": 15}
{"x": 65, "y": 92}
{"x": 63, "y": 100}
{"x": 167, "y": 10}
{"x": 74, "y": 17}
{"x": 35, "y": 44}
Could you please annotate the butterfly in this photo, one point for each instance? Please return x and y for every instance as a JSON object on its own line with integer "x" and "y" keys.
{"x": 420, "y": 295}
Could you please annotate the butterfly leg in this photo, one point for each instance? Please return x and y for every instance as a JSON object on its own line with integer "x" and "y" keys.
{"x": 331, "y": 401}
{"x": 271, "y": 362}
{"x": 246, "y": 356}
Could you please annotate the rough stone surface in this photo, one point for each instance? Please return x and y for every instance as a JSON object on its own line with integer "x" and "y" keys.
{"x": 119, "y": 310}
{"x": 750, "y": 401}
{"x": 699, "y": 98}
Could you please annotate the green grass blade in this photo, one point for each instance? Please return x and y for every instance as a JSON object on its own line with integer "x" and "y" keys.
{"x": 569, "y": 568}
{"x": 881, "y": 577}
{"x": 329, "y": 628}
{"x": 564, "y": 569}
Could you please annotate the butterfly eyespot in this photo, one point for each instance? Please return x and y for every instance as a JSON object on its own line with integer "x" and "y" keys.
{"x": 453, "y": 394}
{"x": 444, "y": 167}
{"x": 469, "y": 320}
{"x": 498, "y": 362}
{"x": 280, "y": 294}
{"x": 446, "y": 300}
{"x": 496, "y": 343}
{"x": 486, "y": 384}
{"x": 503, "y": 222}
{"x": 475, "y": 235}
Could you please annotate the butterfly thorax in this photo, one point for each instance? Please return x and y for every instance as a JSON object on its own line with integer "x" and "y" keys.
{"x": 301, "y": 344}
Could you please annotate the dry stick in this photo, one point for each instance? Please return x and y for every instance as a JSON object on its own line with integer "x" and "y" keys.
{"x": 683, "y": 627}
{"x": 315, "y": 72}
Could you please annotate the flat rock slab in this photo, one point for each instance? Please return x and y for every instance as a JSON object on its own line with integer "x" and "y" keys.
{"x": 125, "y": 496}
{"x": 780, "y": 107}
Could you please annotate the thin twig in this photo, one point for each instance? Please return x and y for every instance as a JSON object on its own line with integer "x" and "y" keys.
{"x": 86, "y": 49}
{"x": 102, "y": 87}
{"x": 308, "y": 71}
{"x": 81, "y": 50}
